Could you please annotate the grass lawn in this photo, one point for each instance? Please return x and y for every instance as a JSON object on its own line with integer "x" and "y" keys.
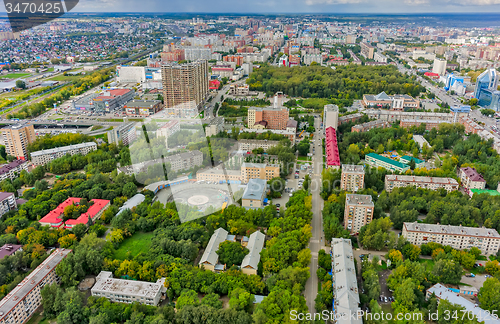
{"x": 37, "y": 319}
{"x": 303, "y": 158}
{"x": 139, "y": 242}
{"x": 430, "y": 263}
{"x": 16, "y": 75}
{"x": 65, "y": 78}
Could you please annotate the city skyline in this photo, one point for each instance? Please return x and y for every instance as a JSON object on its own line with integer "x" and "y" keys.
{"x": 407, "y": 7}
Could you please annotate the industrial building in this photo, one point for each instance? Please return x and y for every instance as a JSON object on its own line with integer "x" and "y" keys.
{"x": 45, "y": 156}
{"x": 110, "y": 100}
{"x": 458, "y": 237}
{"x": 128, "y": 291}
{"x": 433, "y": 183}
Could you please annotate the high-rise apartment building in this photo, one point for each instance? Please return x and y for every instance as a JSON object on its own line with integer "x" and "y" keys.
{"x": 358, "y": 212}
{"x": 367, "y": 50}
{"x": 439, "y": 66}
{"x": 353, "y": 177}
{"x": 16, "y": 139}
{"x": 185, "y": 86}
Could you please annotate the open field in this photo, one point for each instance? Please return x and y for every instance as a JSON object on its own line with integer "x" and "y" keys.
{"x": 139, "y": 242}
{"x": 15, "y": 75}
{"x": 65, "y": 78}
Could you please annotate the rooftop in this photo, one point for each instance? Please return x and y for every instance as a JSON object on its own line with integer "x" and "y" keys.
{"x": 54, "y": 216}
{"x": 141, "y": 103}
{"x": 30, "y": 282}
{"x": 410, "y": 178}
{"x": 346, "y": 296}
{"x": 8, "y": 249}
{"x": 131, "y": 203}
{"x": 449, "y": 229}
{"x": 255, "y": 189}
{"x": 106, "y": 283}
{"x": 210, "y": 255}
{"x": 489, "y": 192}
{"x": 360, "y": 200}
{"x": 442, "y": 292}
{"x": 63, "y": 148}
{"x": 387, "y": 160}
{"x": 472, "y": 174}
{"x": 12, "y": 165}
{"x": 255, "y": 245}
{"x": 352, "y": 168}
{"x": 409, "y": 158}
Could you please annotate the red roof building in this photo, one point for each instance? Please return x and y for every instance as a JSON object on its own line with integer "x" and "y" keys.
{"x": 55, "y": 217}
{"x": 213, "y": 84}
{"x": 332, "y": 149}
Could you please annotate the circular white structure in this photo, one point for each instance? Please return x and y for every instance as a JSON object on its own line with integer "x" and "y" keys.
{"x": 197, "y": 200}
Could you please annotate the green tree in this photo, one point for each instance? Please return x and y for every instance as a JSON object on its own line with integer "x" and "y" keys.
{"x": 231, "y": 253}
{"x": 187, "y": 297}
{"x": 488, "y": 295}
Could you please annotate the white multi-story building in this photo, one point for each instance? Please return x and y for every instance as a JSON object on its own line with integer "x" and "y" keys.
{"x": 195, "y": 53}
{"x": 184, "y": 161}
{"x": 458, "y": 237}
{"x": 309, "y": 58}
{"x": 20, "y": 304}
{"x": 397, "y": 181}
{"x": 330, "y": 116}
{"x": 249, "y": 145}
{"x": 471, "y": 179}
{"x": 13, "y": 169}
{"x": 345, "y": 288}
{"x": 439, "y": 66}
{"x": 45, "y": 156}
{"x": 379, "y": 57}
{"x": 128, "y": 291}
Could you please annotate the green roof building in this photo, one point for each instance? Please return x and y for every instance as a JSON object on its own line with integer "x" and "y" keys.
{"x": 406, "y": 160}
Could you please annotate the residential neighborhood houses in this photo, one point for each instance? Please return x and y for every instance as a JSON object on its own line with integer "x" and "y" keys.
{"x": 250, "y": 168}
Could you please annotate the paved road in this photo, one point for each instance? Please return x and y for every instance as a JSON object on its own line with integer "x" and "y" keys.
{"x": 317, "y": 241}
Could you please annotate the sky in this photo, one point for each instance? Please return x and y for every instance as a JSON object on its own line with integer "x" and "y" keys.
{"x": 291, "y": 6}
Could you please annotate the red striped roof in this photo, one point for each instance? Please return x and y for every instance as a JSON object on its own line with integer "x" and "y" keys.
{"x": 332, "y": 149}
{"x": 54, "y": 217}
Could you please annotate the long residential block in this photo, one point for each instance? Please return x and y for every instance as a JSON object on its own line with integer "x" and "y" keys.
{"x": 20, "y": 304}
{"x": 377, "y": 161}
{"x": 45, "y": 156}
{"x": 345, "y": 286}
{"x": 128, "y": 291}
{"x": 458, "y": 237}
